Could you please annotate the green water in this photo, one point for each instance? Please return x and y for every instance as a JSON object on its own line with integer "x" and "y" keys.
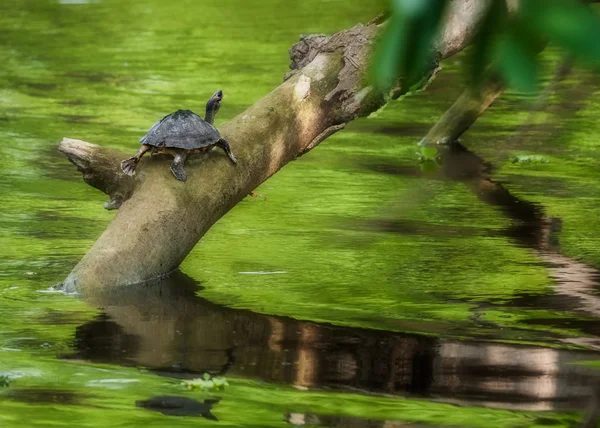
{"x": 350, "y": 235}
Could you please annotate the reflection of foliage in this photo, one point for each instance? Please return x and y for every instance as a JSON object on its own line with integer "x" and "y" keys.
{"x": 4, "y": 381}
{"x": 591, "y": 363}
{"x": 250, "y": 403}
{"x": 207, "y": 382}
{"x": 511, "y": 41}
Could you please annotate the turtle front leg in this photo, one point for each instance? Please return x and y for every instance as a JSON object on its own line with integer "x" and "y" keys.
{"x": 177, "y": 166}
{"x": 128, "y": 165}
{"x": 222, "y": 143}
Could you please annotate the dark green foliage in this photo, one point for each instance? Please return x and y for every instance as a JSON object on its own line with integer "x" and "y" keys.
{"x": 494, "y": 23}
{"x": 507, "y": 43}
{"x": 567, "y": 23}
{"x": 515, "y": 54}
{"x": 404, "y": 50}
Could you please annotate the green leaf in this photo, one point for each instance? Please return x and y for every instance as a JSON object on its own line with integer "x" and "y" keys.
{"x": 480, "y": 57}
{"x": 409, "y": 8}
{"x": 568, "y": 23}
{"x": 219, "y": 381}
{"x": 424, "y": 29}
{"x": 428, "y": 152}
{"x": 405, "y": 48}
{"x": 206, "y": 383}
{"x": 389, "y": 54}
{"x": 516, "y": 58}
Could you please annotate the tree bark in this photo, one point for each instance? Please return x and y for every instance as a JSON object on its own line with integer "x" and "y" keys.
{"x": 462, "y": 114}
{"x": 160, "y": 219}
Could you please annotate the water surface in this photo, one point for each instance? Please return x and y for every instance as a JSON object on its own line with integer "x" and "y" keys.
{"x": 357, "y": 291}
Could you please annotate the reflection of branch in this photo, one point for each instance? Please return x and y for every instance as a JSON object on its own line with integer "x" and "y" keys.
{"x": 167, "y": 328}
{"x": 575, "y": 279}
{"x": 534, "y": 230}
{"x": 572, "y": 278}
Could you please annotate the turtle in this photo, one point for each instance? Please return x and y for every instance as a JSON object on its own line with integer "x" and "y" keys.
{"x": 181, "y": 134}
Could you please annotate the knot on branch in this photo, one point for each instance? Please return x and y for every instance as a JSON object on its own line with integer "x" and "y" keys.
{"x": 355, "y": 46}
{"x": 303, "y": 52}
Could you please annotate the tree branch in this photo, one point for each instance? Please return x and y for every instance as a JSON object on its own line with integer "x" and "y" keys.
{"x": 463, "y": 113}
{"x": 100, "y": 169}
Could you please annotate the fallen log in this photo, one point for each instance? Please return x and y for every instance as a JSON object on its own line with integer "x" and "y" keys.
{"x": 160, "y": 219}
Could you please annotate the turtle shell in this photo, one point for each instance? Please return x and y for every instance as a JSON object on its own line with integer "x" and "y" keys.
{"x": 183, "y": 129}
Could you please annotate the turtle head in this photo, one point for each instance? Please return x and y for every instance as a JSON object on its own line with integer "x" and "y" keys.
{"x": 213, "y": 105}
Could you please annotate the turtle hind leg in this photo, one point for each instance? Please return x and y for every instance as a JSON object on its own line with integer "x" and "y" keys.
{"x": 128, "y": 165}
{"x": 224, "y": 144}
{"x": 177, "y": 166}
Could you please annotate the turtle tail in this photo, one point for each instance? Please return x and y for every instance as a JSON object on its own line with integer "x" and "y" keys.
{"x": 128, "y": 165}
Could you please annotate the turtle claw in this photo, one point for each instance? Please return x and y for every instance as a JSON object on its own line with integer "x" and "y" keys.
{"x": 179, "y": 172}
{"x": 128, "y": 166}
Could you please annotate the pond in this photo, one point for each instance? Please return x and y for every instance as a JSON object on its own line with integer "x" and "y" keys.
{"x": 355, "y": 291}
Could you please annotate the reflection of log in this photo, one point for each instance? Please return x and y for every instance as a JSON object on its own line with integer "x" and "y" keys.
{"x": 592, "y": 414}
{"x": 536, "y": 231}
{"x": 166, "y": 328}
{"x": 573, "y": 278}
{"x": 307, "y": 360}
{"x": 163, "y": 219}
